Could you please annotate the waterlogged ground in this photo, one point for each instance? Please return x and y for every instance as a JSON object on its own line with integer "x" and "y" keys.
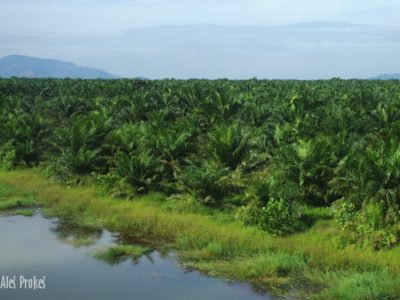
{"x": 64, "y": 254}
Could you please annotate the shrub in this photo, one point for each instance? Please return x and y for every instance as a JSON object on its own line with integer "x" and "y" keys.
{"x": 8, "y": 156}
{"x": 277, "y": 217}
{"x": 367, "y": 227}
{"x": 346, "y": 214}
{"x": 250, "y": 214}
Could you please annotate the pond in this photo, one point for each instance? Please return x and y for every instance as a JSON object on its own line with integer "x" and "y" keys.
{"x": 64, "y": 254}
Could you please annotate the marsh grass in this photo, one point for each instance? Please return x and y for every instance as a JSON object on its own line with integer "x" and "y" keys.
{"x": 20, "y": 212}
{"x": 7, "y": 191}
{"x": 378, "y": 284}
{"x": 14, "y": 201}
{"x": 117, "y": 253}
{"x": 312, "y": 261}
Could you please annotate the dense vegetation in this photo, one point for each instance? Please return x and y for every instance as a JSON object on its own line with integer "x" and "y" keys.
{"x": 266, "y": 149}
{"x": 303, "y": 265}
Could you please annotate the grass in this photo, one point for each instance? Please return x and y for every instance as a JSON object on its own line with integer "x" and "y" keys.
{"x": 358, "y": 285}
{"x": 20, "y": 212}
{"x": 309, "y": 264}
{"x": 114, "y": 254}
{"x": 15, "y": 201}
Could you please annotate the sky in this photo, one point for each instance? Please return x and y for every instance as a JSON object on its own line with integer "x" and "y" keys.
{"x": 301, "y": 39}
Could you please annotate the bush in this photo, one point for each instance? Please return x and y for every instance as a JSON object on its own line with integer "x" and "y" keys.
{"x": 346, "y": 215}
{"x": 8, "y": 156}
{"x": 250, "y": 214}
{"x": 277, "y": 217}
{"x": 367, "y": 227}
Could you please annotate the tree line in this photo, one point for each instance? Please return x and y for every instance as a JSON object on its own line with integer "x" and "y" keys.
{"x": 265, "y": 148}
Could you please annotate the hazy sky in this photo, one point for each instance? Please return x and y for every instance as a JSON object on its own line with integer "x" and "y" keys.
{"x": 204, "y": 38}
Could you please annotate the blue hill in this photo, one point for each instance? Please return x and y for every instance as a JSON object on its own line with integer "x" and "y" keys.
{"x": 31, "y": 67}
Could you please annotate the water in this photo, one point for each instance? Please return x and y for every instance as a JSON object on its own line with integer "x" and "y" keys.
{"x": 36, "y": 246}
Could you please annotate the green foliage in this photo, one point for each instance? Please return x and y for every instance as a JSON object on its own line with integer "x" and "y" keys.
{"x": 80, "y": 148}
{"x": 346, "y": 214}
{"x": 14, "y": 203}
{"x": 117, "y": 253}
{"x": 311, "y": 142}
{"x": 206, "y": 182}
{"x": 142, "y": 171}
{"x": 367, "y": 227}
{"x": 23, "y": 138}
{"x": 380, "y": 284}
{"x": 229, "y": 144}
{"x": 8, "y": 156}
{"x": 251, "y": 214}
{"x": 13, "y": 200}
{"x": 317, "y": 159}
{"x": 277, "y": 217}
{"x": 304, "y": 265}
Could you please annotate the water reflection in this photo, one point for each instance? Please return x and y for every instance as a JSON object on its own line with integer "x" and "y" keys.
{"x": 76, "y": 235}
{"x": 112, "y": 257}
{"x": 63, "y": 252}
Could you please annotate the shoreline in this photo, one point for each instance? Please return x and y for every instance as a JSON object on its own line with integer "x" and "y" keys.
{"x": 220, "y": 246}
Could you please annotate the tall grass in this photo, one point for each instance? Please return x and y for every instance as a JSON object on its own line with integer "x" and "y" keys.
{"x": 219, "y": 245}
{"x": 14, "y": 199}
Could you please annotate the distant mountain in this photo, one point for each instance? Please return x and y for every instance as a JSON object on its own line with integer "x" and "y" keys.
{"x": 387, "y": 76}
{"x": 31, "y": 67}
